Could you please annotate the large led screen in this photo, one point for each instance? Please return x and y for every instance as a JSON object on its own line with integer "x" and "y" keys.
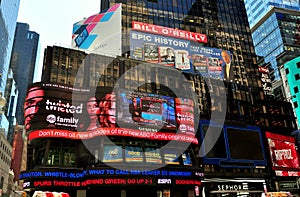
{"x": 231, "y": 146}
{"x": 244, "y": 144}
{"x": 61, "y": 111}
{"x": 282, "y": 151}
{"x": 150, "y": 111}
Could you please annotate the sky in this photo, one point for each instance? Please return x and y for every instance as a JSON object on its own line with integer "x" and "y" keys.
{"x": 53, "y": 19}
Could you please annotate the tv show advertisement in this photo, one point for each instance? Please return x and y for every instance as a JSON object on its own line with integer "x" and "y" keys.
{"x": 54, "y": 110}
{"x": 211, "y": 62}
{"x": 97, "y": 31}
{"x": 283, "y": 152}
{"x": 167, "y": 51}
{"x": 148, "y": 110}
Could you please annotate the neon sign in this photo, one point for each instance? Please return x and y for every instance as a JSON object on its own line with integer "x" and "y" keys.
{"x": 114, "y": 172}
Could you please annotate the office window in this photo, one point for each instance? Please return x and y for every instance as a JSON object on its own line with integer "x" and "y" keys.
{"x": 287, "y": 71}
{"x": 295, "y": 104}
{"x": 296, "y": 89}
{"x": 297, "y": 76}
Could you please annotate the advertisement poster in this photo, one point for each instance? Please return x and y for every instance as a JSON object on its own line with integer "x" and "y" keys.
{"x": 185, "y": 115}
{"x": 112, "y": 153}
{"x": 283, "y": 152}
{"x": 53, "y": 110}
{"x": 152, "y": 155}
{"x": 167, "y": 51}
{"x": 171, "y": 156}
{"x": 133, "y": 154}
{"x": 211, "y": 62}
{"x": 96, "y": 32}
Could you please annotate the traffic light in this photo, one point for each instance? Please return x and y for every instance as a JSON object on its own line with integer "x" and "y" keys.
{"x": 24, "y": 194}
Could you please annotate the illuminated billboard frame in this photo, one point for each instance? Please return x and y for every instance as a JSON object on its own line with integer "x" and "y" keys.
{"x": 59, "y": 111}
{"x": 283, "y": 153}
{"x": 228, "y": 142}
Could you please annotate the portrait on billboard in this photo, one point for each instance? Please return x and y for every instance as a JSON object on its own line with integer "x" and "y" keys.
{"x": 227, "y": 68}
{"x": 32, "y": 105}
{"x": 151, "y": 53}
{"x": 167, "y": 56}
{"x": 212, "y": 62}
{"x": 108, "y": 110}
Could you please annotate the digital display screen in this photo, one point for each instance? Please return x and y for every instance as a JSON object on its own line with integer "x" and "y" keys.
{"x": 112, "y": 153}
{"x": 155, "y": 111}
{"x": 133, "y": 154}
{"x": 54, "y": 110}
{"x": 219, "y": 148}
{"x": 231, "y": 146}
{"x": 171, "y": 156}
{"x": 283, "y": 151}
{"x": 244, "y": 144}
{"x": 153, "y": 155}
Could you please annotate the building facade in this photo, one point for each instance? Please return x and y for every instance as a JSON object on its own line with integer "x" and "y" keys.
{"x": 277, "y": 32}
{"x": 292, "y": 72}
{"x": 257, "y": 9}
{"x": 9, "y": 13}
{"x": 23, "y": 62}
{"x": 142, "y": 70}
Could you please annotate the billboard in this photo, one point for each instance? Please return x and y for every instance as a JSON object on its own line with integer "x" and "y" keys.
{"x": 95, "y": 33}
{"x": 231, "y": 149}
{"x": 181, "y": 54}
{"x": 283, "y": 152}
{"x": 169, "y": 32}
{"x": 212, "y": 62}
{"x": 162, "y": 50}
{"x": 59, "y": 111}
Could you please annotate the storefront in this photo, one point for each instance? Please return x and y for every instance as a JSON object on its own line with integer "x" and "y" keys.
{"x": 233, "y": 187}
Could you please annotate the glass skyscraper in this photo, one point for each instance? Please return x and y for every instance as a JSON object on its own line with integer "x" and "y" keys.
{"x": 8, "y": 18}
{"x": 256, "y": 9}
{"x": 278, "y": 31}
{"x": 23, "y": 62}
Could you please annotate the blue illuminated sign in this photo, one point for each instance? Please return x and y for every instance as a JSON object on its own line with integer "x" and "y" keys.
{"x": 232, "y": 147}
{"x": 110, "y": 172}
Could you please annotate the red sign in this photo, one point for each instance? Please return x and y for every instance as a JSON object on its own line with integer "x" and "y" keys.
{"x": 100, "y": 181}
{"x": 283, "y": 151}
{"x": 263, "y": 70}
{"x": 59, "y": 133}
{"x": 166, "y": 31}
{"x": 287, "y": 173}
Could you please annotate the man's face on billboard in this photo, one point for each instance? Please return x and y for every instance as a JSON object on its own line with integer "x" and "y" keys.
{"x": 34, "y": 96}
{"x": 226, "y": 57}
